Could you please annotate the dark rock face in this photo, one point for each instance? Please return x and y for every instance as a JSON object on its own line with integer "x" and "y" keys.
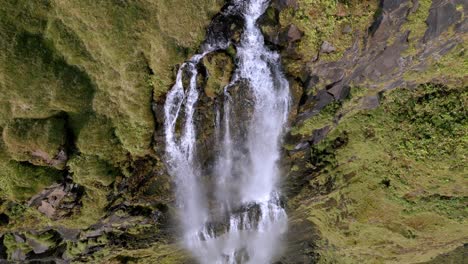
{"x": 300, "y": 246}
{"x": 378, "y": 60}
{"x": 225, "y": 27}
{"x": 58, "y": 201}
{"x": 442, "y": 15}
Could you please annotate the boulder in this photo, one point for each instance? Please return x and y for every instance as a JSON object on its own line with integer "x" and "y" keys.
{"x": 293, "y": 34}
{"x": 340, "y": 91}
{"x": 327, "y": 47}
{"x": 288, "y": 36}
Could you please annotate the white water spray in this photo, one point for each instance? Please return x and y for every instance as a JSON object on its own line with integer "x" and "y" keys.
{"x": 246, "y": 173}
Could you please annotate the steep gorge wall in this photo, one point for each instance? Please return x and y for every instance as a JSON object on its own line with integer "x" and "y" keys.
{"x": 373, "y": 162}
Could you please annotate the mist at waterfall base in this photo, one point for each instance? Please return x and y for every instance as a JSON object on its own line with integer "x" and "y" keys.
{"x": 244, "y": 220}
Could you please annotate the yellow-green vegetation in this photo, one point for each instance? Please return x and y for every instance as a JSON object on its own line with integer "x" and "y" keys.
{"x": 96, "y": 176}
{"x": 325, "y": 20}
{"x": 323, "y": 118}
{"x": 101, "y": 56}
{"x": 97, "y": 138}
{"x": 11, "y": 244}
{"x": 19, "y": 181}
{"x": 219, "y": 67}
{"x": 398, "y": 176}
{"x": 80, "y": 75}
{"x": 417, "y": 25}
{"x": 36, "y": 141}
{"x": 450, "y": 69}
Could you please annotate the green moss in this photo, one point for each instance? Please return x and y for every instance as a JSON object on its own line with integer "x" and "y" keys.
{"x": 19, "y": 181}
{"x": 417, "y": 25}
{"x": 90, "y": 171}
{"x": 36, "y": 141}
{"x": 380, "y": 199}
{"x": 139, "y": 44}
{"x": 219, "y": 67}
{"x": 52, "y": 85}
{"x": 97, "y": 138}
{"x": 449, "y": 69}
{"x": 26, "y": 15}
{"x": 12, "y": 245}
{"x": 322, "y": 119}
{"x": 324, "y": 20}
{"x": 89, "y": 56}
{"x": 96, "y": 176}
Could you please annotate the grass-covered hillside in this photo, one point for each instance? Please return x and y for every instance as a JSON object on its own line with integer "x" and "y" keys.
{"x": 77, "y": 82}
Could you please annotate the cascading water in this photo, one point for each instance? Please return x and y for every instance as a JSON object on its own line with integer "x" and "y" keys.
{"x": 244, "y": 221}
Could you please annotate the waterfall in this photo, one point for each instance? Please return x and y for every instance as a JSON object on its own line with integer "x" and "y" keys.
{"x": 244, "y": 220}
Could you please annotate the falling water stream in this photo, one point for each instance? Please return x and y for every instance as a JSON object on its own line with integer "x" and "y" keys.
{"x": 244, "y": 220}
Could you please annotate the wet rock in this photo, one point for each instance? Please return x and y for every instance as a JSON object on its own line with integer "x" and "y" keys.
{"x": 323, "y": 98}
{"x": 387, "y": 60}
{"x": 47, "y": 209}
{"x": 310, "y": 83}
{"x": 313, "y": 105}
{"x": 301, "y": 146}
{"x": 301, "y": 247}
{"x": 242, "y": 108}
{"x": 68, "y": 234}
{"x": 327, "y": 47}
{"x": 225, "y": 27}
{"x": 393, "y": 15}
{"x": 442, "y": 15}
{"x": 331, "y": 74}
{"x": 19, "y": 238}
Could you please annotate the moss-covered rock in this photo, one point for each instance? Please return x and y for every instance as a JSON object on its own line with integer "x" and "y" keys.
{"x": 219, "y": 67}
{"x": 391, "y": 177}
{"x": 40, "y": 141}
